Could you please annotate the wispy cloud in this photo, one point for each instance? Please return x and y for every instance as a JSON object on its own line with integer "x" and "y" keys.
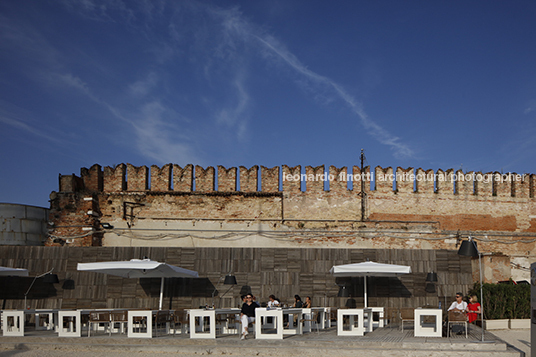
{"x": 272, "y": 50}
{"x": 27, "y": 127}
{"x": 224, "y": 43}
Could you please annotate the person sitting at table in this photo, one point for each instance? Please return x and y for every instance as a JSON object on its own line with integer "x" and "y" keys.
{"x": 307, "y": 304}
{"x": 247, "y": 314}
{"x": 298, "y": 303}
{"x": 273, "y": 301}
{"x": 473, "y": 309}
{"x": 459, "y": 306}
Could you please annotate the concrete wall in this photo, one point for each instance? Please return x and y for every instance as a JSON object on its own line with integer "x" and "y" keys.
{"x": 22, "y": 225}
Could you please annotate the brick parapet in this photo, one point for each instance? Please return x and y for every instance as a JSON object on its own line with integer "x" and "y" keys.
{"x": 465, "y": 183}
{"x": 92, "y": 178}
{"x": 137, "y": 178}
{"x": 183, "y": 178}
{"x": 425, "y": 181}
{"x": 161, "y": 178}
{"x": 444, "y": 183}
{"x": 315, "y": 178}
{"x": 405, "y": 180}
{"x": 114, "y": 178}
{"x": 249, "y": 179}
{"x": 174, "y": 177}
{"x": 384, "y": 179}
{"x": 484, "y": 188}
{"x": 270, "y": 179}
{"x": 227, "y": 179}
{"x": 204, "y": 179}
{"x": 291, "y": 179}
{"x": 338, "y": 182}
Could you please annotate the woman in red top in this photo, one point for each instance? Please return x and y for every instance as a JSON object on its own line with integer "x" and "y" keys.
{"x": 473, "y": 308}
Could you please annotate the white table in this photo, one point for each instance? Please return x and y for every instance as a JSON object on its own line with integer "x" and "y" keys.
{"x": 323, "y": 314}
{"x": 423, "y": 329}
{"x": 380, "y": 312}
{"x": 13, "y": 320}
{"x": 354, "y": 330}
{"x": 201, "y": 314}
{"x": 261, "y": 314}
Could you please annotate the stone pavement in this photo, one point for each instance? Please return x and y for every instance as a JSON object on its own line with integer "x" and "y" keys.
{"x": 381, "y": 342}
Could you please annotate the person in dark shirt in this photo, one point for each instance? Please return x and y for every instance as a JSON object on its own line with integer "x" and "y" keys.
{"x": 247, "y": 314}
{"x": 298, "y": 303}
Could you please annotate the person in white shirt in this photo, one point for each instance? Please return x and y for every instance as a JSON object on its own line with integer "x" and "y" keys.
{"x": 272, "y": 301}
{"x": 459, "y": 304}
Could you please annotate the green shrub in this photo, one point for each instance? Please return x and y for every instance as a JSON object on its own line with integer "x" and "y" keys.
{"x": 504, "y": 301}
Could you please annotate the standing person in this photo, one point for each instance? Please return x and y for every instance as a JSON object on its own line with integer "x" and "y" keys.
{"x": 247, "y": 314}
{"x": 273, "y": 301}
{"x": 307, "y": 304}
{"x": 473, "y": 309}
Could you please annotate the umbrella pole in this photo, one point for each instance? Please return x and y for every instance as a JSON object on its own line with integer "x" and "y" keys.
{"x": 365, "y": 280}
{"x": 161, "y": 293}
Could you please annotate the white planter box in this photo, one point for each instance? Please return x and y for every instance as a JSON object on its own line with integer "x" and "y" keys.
{"x": 502, "y": 324}
{"x": 519, "y": 323}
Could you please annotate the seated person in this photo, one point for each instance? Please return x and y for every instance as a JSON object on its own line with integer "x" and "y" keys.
{"x": 459, "y": 306}
{"x": 307, "y": 304}
{"x": 473, "y": 309}
{"x": 272, "y": 301}
{"x": 247, "y": 314}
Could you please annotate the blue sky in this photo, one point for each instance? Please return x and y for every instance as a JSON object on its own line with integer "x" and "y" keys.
{"x": 430, "y": 84}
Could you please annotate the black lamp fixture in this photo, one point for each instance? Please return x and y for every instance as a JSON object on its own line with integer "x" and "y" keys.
{"x": 48, "y": 278}
{"x": 343, "y": 292}
{"x": 431, "y": 277}
{"x": 469, "y": 248}
{"x": 107, "y": 226}
{"x": 227, "y": 280}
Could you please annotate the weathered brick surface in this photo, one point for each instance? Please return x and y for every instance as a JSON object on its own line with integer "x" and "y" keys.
{"x": 161, "y": 178}
{"x": 270, "y": 179}
{"x": 226, "y": 179}
{"x": 433, "y": 216}
{"x": 292, "y": 179}
{"x": 249, "y": 179}
{"x": 339, "y": 182}
{"x": 315, "y": 178}
{"x": 204, "y": 179}
{"x": 92, "y": 177}
{"x": 137, "y": 178}
{"x": 183, "y": 178}
{"x": 114, "y": 178}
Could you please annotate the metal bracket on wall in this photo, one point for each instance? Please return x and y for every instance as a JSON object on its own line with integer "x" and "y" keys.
{"x": 128, "y": 212}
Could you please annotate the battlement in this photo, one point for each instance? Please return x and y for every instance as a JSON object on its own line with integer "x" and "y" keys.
{"x": 296, "y": 180}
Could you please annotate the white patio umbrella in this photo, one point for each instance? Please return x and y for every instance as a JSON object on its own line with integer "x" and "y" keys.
{"x": 6, "y": 271}
{"x": 369, "y": 269}
{"x": 139, "y": 268}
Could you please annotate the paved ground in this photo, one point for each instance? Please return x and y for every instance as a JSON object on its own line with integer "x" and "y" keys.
{"x": 519, "y": 338}
{"x": 381, "y": 342}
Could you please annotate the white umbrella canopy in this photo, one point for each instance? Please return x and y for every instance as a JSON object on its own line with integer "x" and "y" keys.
{"x": 139, "y": 268}
{"x": 6, "y": 271}
{"x": 365, "y": 269}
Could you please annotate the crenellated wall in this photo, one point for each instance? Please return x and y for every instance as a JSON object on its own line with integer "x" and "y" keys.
{"x": 386, "y": 180}
{"x": 311, "y": 206}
